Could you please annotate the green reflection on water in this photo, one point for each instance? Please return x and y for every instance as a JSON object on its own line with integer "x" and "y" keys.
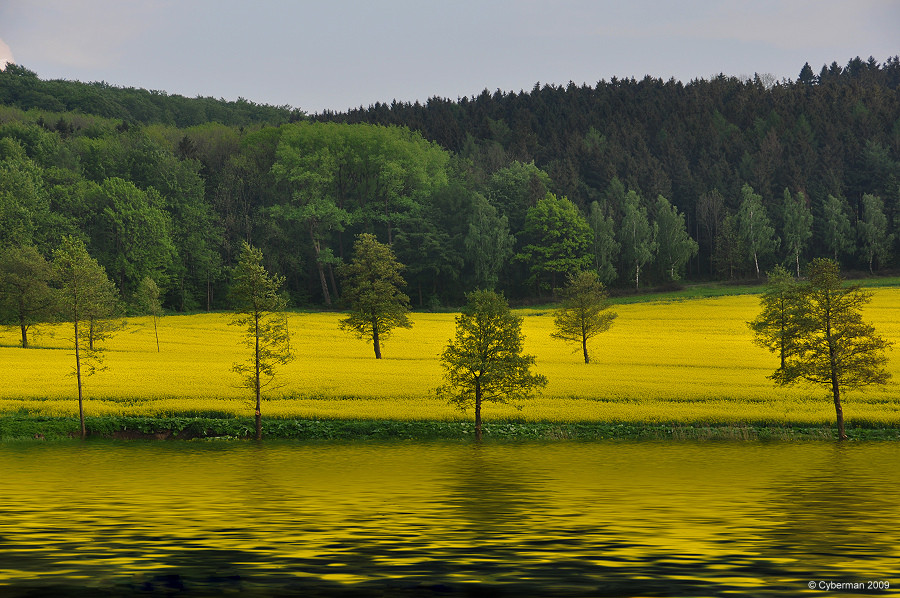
{"x": 445, "y": 519}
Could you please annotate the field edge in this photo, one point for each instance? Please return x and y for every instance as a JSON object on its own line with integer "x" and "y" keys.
{"x": 37, "y": 429}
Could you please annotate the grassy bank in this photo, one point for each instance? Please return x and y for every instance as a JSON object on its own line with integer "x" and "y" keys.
{"x": 18, "y": 428}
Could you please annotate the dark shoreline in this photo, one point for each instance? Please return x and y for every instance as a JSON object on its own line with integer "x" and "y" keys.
{"x": 33, "y": 428}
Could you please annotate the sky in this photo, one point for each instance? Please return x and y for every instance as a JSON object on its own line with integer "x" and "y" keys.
{"x": 341, "y": 54}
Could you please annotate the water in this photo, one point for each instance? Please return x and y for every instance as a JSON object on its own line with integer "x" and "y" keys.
{"x": 444, "y": 519}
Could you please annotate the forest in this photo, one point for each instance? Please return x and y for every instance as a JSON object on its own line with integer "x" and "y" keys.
{"x": 647, "y": 182}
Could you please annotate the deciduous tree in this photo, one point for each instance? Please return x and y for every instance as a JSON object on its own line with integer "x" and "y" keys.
{"x": 605, "y": 247}
{"x": 797, "y": 225}
{"x": 25, "y": 295}
{"x": 85, "y": 296}
{"x": 674, "y": 245}
{"x": 636, "y": 236}
{"x": 488, "y": 243}
{"x": 775, "y": 328}
{"x": 757, "y": 232}
{"x": 259, "y": 307}
{"x": 485, "y": 361}
{"x": 838, "y": 232}
{"x": 148, "y": 301}
{"x": 558, "y": 240}
{"x": 584, "y": 312}
{"x": 831, "y": 345}
{"x": 372, "y": 283}
{"x": 873, "y": 231}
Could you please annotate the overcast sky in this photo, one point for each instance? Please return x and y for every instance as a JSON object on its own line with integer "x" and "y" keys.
{"x": 338, "y": 54}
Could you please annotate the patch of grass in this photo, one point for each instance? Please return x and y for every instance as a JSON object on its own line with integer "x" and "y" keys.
{"x": 18, "y": 428}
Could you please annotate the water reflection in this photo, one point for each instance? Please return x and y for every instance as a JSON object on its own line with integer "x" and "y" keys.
{"x": 569, "y": 519}
{"x": 839, "y": 516}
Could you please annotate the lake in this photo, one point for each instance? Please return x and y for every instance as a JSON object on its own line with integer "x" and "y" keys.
{"x": 207, "y": 518}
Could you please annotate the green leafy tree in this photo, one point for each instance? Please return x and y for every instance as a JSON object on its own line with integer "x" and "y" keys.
{"x": 149, "y": 303}
{"x": 584, "y": 312}
{"x": 259, "y": 307}
{"x": 311, "y": 175}
{"x": 485, "y": 362}
{"x": 605, "y": 247}
{"x": 830, "y": 344}
{"x": 674, "y": 245}
{"x": 775, "y": 327}
{"x": 372, "y": 283}
{"x": 636, "y": 236}
{"x": 873, "y": 231}
{"x": 25, "y": 295}
{"x": 85, "y": 296}
{"x": 729, "y": 249}
{"x": 516, "y": 188}
{"x": 757, "y": 232}
{"x": 838, "y": 233}
{"x": 797, "y": 225}
{"x": 133, "y": 233}
{"x": 488, "y": 243}
{"x": 559, "y": 239}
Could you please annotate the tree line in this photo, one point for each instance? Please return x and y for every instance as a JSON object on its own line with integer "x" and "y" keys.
{"x": 643, "y": 182}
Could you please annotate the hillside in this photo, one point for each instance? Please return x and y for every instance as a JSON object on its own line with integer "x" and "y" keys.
{"x": 505, "y": 189}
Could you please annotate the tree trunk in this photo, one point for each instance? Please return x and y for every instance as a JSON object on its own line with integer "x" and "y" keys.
{"x": 334, "y": 287}
{"x": 376, "y": 342}
{"x": 835, "y": 385}
{"x": 258, "y": 414}
{"x": 78, "y": 376}
{"x": 838, "y": 410}
{"x": 478, "y": 411}
{"x": 584, "y": 348}
{"x": 156, "y": 332}
{"x": 325, "y": 293}
{"x": 321, "y": 268}
{"x": 24, "y": 328}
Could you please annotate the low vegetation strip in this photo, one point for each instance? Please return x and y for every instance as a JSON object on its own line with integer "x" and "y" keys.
{"x": 24, "y": 428}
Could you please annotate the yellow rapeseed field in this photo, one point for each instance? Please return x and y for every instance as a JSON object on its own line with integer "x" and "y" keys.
{"x": 690, "y": 361}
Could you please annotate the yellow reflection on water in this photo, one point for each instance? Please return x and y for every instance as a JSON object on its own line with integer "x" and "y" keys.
{"x": 705, "y": 518}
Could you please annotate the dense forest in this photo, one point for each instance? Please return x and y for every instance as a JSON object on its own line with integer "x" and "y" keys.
{"x": 645, "y": 181}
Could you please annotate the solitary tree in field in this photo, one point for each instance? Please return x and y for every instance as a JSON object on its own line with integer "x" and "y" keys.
{"x": 25, "y": 295}
{"x": 259, "y": 307}
{"x": 85, "y": 296}
{"x": 830, "y": 345}
{"x": 775, "y": 327}
{"x": 584, "y": 312}
{"x": 372, "y": 284}
{"x": 485, "y": 361}
{"x": 148, "y": 300}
